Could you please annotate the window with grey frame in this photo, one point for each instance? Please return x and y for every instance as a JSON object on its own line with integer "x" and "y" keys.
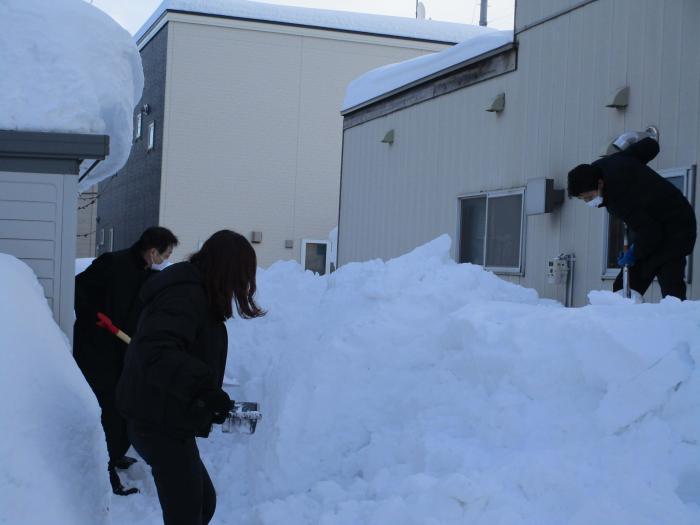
{"x": 151, "y": 143}
{"x": 491, "y": 230}
{"x": 138, "y": 124}
{"x": 681, "y": 178}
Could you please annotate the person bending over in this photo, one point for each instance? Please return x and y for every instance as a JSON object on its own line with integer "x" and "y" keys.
{"x": 660, "y": 219}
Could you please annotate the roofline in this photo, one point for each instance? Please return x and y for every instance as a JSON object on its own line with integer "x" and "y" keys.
{"x": 41, "y": 144}
{"x": 157, "y": 21}
{"x": 424, "y": 80}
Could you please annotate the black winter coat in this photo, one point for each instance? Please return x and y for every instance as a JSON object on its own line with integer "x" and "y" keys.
{"x": 110, "y": 285}
{"x": 661, "y": 220}
{"x": 178, "y": 351}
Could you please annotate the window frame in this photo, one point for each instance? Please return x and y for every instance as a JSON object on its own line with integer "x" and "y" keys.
{"x": 327, "y": 242}
{"x": 151, "y": 137}
{"x": 689, "y": 175}
{"x": 495, "y": 194}
{"x": 138, "y": 126}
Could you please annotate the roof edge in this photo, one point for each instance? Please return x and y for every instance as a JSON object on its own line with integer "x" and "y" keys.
{"x": 49, "y": 145}
{"x": 429, "y": 78}
{"x": 143, "y": 35}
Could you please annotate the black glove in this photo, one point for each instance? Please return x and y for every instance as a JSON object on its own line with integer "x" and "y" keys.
{"x": 216, "y": 401}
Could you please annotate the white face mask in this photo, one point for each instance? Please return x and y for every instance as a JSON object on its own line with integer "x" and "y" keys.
{"x": 595, "y": 202}
{"x": 160, "y": 266}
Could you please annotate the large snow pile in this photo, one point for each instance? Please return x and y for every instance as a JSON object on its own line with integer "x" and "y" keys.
{"x": 391, "y": 77}
{"x": 53, "y": 455}
{"x": 420, "y": 391}
{"x": 68, "y": 67}
{"x": 448, "y": 32}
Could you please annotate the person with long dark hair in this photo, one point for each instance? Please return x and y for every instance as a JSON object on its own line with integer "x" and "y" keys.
{"x": 171, "y": 388}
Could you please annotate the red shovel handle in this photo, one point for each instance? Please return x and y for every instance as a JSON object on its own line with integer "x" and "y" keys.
{"x": 105, "y": 322}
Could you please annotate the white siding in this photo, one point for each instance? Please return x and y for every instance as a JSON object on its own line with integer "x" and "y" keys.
{"x": 253, "y": 128}
{"x": 38, "y": 226}
{"x": 396, "y": 197}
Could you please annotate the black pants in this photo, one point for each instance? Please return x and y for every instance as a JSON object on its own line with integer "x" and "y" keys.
{"x": 114, "y": 426}
{"x": 185, "y": 491}
{"x": 671, "y": 275}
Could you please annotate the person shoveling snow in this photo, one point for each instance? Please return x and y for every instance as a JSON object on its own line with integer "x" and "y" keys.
{"x": 661, "y": 220}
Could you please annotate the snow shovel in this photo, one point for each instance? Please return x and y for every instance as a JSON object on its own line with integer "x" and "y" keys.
{"x": 243, "y": 417}
{"x": 105, "y": 322}
{"x": 625, "y": 269}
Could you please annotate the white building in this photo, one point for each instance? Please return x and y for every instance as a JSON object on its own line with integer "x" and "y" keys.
{"x": 453, "y": 143}
{"x": 240, "y": 124}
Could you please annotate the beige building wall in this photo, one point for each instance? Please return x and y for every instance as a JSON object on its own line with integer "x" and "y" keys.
{"x": 395, "y": 198}
{"x": 253, "y": 129}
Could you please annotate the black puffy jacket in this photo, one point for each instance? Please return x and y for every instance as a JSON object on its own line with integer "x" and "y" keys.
{"x": 178, "y": 351}
{"x": 110, "y": 285}
{"x": 661, "y": 219}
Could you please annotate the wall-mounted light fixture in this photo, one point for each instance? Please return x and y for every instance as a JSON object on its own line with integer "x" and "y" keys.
{"x": 498, "y": 104}
{"x": 256, "y": 237}
{"x": 389, "y": 137}
{"x": 620, "y": 99}
{"x": 146, "y": 109}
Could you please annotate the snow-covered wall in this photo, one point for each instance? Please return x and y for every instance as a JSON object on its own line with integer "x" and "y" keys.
{"x": 68, "y": 67}
{"x": 448, "y": 32}
{"x": 53, "y": 456}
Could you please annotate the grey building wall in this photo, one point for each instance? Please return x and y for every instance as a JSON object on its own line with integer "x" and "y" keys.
{"x": 129, "y": 202}
{"x": 396, "y": 197}
{"x": 87, "y": 215}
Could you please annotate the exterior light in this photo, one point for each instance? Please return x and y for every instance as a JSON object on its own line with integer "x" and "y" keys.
{"x": 498, "y": 104}
{"x": 620, "y": 99}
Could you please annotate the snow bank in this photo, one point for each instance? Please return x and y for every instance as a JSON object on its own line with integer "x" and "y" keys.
{"x": 53, "y": 455}
{"x": 420, "y": 391}
{"x": 81, "y": 264}
{"x": 388, "y": 78}
{"x": 68, "y": 67}
{"x": 448, "y": 32}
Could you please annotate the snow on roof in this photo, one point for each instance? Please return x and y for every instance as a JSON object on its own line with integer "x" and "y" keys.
{"x": 391, "y": 77}
{"x": 68, "y": 67}
{"x": 394, "y": 26}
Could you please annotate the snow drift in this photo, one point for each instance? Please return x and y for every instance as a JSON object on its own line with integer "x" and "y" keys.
{"x": 420, "y": 391}
{"x": 68, "y": 67}
{"x": 53, "y": 454}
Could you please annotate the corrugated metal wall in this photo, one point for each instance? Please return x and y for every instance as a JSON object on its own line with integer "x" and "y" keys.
{"x": 396, "y": 197}
{"x": 38, "y": 226}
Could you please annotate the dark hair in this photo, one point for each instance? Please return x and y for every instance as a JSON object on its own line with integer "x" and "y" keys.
{"x": 582, "y": 178}
{"x": 228, "y": 264}
{"x": 156, "y": 237}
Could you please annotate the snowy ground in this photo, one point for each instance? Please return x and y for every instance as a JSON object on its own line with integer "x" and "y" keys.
{"x": 416, "y": 391}
{"x": 420, "y": 391}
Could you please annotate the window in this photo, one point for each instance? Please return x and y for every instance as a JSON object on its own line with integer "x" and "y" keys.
{"x": 491, "y": 230}
{"x": 681, "y": 178}
{"x": 151, "y": 136}
{"x": 137, "y": 126}
{"x": 314, "y": 256}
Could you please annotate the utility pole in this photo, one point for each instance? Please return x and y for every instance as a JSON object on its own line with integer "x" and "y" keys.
{"x": 484, "y": 9}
